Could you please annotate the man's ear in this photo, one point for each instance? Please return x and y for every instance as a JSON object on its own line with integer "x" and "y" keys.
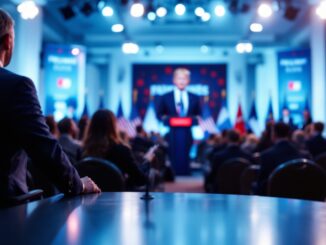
{"x": 6, "y": 42}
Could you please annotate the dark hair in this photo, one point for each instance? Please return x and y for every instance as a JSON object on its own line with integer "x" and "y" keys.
{"x": 82, "y": 125}
{"x": 101, "y": 133}
{"x": 233, "y": 136}
{"x": 319, "y": 127}
{"x": 139, "y": 129}
{"x": 65, "y": 125}
{"x": 49, "y": 120}
{"x": 282, "y": 130}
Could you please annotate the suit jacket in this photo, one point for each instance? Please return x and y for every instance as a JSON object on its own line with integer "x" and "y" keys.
{"x": 71, "y": 148}
{"x": 316, "y": 145}
{"x": 23, "y": 133}
{"x": 271, "y": 158}
{"x": 167, "y": 109}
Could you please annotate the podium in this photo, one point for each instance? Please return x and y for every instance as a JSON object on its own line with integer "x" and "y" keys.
{"x": 180, "y": 141}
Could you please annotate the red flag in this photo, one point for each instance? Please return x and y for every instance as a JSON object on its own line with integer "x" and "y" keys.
{"x": 239, "y": 122}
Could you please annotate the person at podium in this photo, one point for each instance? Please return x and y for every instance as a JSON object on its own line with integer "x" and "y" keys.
{"x": 179, "y": 103}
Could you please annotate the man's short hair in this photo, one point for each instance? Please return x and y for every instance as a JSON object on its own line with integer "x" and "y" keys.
{"x": 319, "y": 127}
{"x": 65, "y": 125}
{"x": 233, "y": 136}
{"x": 282, "y": 130}
{"x": 6, "y": 23}
{"x": 182, "y": 70}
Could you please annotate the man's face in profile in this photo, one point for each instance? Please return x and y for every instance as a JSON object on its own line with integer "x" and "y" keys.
{"x": 181, "y": 80}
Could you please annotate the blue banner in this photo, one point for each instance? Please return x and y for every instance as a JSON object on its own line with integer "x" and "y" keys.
{"x": 294, "y": 75}
{"x": 64, "y": 78}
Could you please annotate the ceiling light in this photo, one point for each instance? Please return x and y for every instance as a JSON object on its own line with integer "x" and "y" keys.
{"x": 75, "y": 51}
{"x": 204, "y": 49}
{"x": 265, "y": 10}
{"x": 151, "y": 16}
{"x": 117, "y": 28}
{"x": 180, "y": 9}
{"x": 130, "y": 48}
{"x": 206, "y": 17}
{"x": 199, "y": 11}
{"x": 321, "y": 10}
{"x": 137, "y": 10}
{"x": 159, "y": 48}
{"x": 244, "y": 47}
{"x": 161, "y": 12}
{"x": 219, "y": 11}
{"x": 28, "y": 10}
{"x": 256, "y": 27}
{"x": 107, "y": 11}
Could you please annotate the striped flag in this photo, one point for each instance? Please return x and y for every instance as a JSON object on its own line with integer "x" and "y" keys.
{"x": 151, "y": 122}
{"x": 206, "y": 122}
{"x": 253, "y": 120}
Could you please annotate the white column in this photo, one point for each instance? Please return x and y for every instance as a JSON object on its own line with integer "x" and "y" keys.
{"x": 318, "y": 66}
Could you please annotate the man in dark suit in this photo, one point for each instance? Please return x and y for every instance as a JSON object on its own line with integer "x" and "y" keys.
{"x": 24, "y": 132}
{"x": 317, "y": 144}
{"x": 282, "y": 151}
{"x": 179, "y": 103}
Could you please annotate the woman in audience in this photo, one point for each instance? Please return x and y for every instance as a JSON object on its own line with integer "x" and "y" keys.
{"x": 102, "y": 140}
{"x": 49, "y": 120}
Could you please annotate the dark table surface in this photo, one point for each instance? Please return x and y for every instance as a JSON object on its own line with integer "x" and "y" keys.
{"x": 123, "y": 218}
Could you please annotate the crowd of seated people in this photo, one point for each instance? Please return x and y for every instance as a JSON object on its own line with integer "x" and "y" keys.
{"x": 278, "y": 144}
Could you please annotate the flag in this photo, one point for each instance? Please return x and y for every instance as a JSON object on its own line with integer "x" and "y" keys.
{"x": 270, "y": 114}
{"x": 253, "y": 120}
{"x": 123, "y": 124}
{"x": 240, "y": 125}
{"x": 223, "y": 120}
{"x": 151, "y": 122}
{"x": 206, "y": 122}
{"x": 134, "y": 121}
{"x": 85, "y": 110}
{"x": 101, "y": 104}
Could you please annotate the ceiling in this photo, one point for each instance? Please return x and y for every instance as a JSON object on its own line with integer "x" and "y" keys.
{"x": 94, "y": 30}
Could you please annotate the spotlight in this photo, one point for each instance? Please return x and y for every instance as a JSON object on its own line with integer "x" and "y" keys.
{"x": 219, "y": 11}
{"x": 130, "y": 48}
{"x": 180, "y": 9}
{"x": 107, "y": 11}
{"x": 206, "y": 17}
{"x": 151, "y": 16}
{"x": 256, "y": 27}
{"x": 75, "y": 51}
{"x": 161, "y": 12}
{"x": 321, "y": 10}
{"x": 87, "y": 9}
{"x": 117, "y": 28}
{"x": 67, "y": 12}
{"x": 137, "y": 10}
{"x": 244, "y": 47}
{"x": 265, "y": 10}
{"x": 199, "y": 11}
{"x": 28, "y": 10}
{"x": 291, "y": 13}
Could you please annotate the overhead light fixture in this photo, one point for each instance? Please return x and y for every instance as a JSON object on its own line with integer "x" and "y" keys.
{"x": 130, "y": 48}
{"x": 244, "y": 47}
{"x": 67, "y": 12}
{"x": 265, "y": 10}
{"x": 117, "y": 28}
{"x": 151, "y": 16}
{"x": 199, "y": 11}
{"x": 219, "y": 10}
{"x": 321, "y": 10}
{"x": 137, "y": 10}
{"x": 204, "y": 49}
{"x": 159, "y": 48}
{"x": 107, "y": 11}
{"x": 75, "y": 51}
{"x": 87, "y": 9}
{"x": 256, "y": 27}
{"x": 206, "y": 17}
{"x": 180, "y": 9}
{"x": 291, "y": 12}
{"x": 28, "y": 10}
{"x": 161, "y": 12}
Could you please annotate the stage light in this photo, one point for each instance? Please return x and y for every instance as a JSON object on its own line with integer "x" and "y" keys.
{"x": 107, "y": 11}
{"x": 87, "y": 9}
{"x": 101, "y": 4}
{"x": 256, "y": 27}
{"x": 291, "y": 13}
{"x": 75, "y": 51}
{"x": 180, "y": 9}
{"x": 117, "y": 28}
{"x": 321, "y": 10}
{"x": 161, "y": 12}
{"x": 244, "y": 47}
{"x": 219, "y": 11}
{"x": 265, "y": 10}
{"x": 137, "y": 10}
{"x": 206, "y": 17}
{"x": 204, "y": 49}
{"x": 130, "y": 48}
{"x": 199, "y": 11}
{"x": 151, "y": 16}
{"x": 67, "y": 12}
{"x": 28, "y": 10}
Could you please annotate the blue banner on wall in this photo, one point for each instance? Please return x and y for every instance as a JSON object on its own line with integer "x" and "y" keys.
{"x": 64, "y": 80}
{"x": 294, "y": 75}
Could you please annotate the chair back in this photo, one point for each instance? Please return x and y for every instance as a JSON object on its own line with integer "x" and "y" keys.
{"x": 299, "y": 178}
{"x": 321, "y": 160}
{"x": 32, "y": 195}
{"x": 104, "y": 173}
{"x": 228, "y": 176}
{"x": 249, "y": 178}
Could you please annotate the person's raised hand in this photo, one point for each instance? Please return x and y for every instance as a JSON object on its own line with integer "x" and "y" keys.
{"x": 150, "y": 154}
{"x": 89, "y": 185}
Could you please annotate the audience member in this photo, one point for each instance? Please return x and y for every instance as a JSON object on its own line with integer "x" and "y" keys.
{"x": 250, "y": 143}
{"x": 307, "y": 120}
{"x": 67, "y": 139}
{"x": 282, "y": 151}
{"x": 52, "y": 124}
{"x": 24, "y": 131}
{"x": 266, "y": 139}
{"x": 317, "y": 143}
{"x": 82, "y": 125}
{"x": 141, "y": 143}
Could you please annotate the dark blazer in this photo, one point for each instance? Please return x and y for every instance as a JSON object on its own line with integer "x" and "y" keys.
{"x": 316, "y": 145}
{"x": 167, "y": 109}
{"x": 23, "y": 133}
{"x": 271, "y": 158}
{"x": 141, "y": 144}
{"x": 71, "y": 148}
